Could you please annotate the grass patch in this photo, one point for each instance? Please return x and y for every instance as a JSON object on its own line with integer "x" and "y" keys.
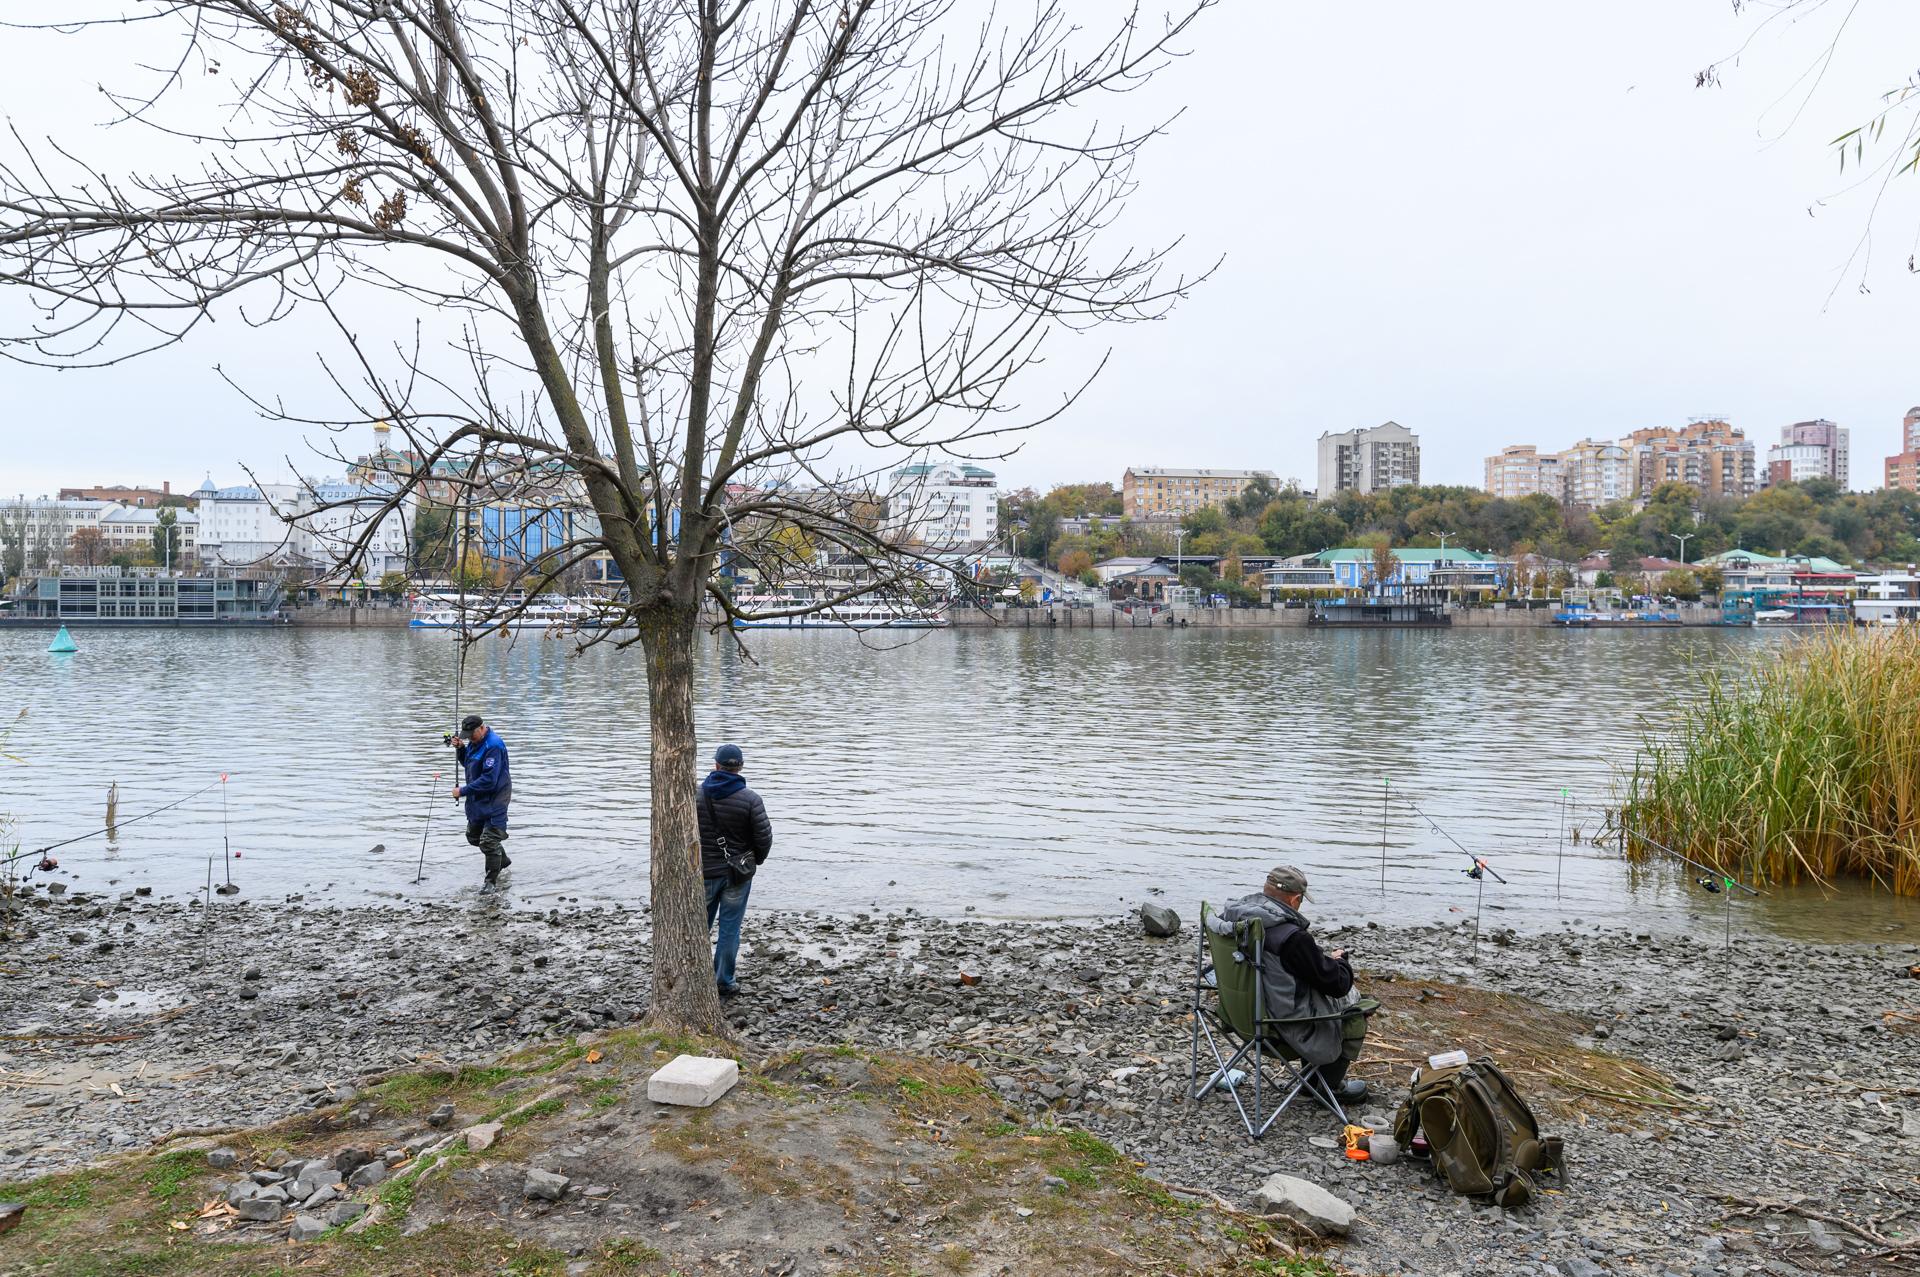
{"x": 1078, "y": 1176}
{"x": 1801, "y": 765}
{"x": 1291, "y": 1266}
{"x": 70, "y": 1191}
{"x": 168, "y": 1177}
{"x": 629, "y": 1255}
{"x": 601, "y": 1092}
{"x": 534, "y": 1112}
{"x": 408, "y": 1093}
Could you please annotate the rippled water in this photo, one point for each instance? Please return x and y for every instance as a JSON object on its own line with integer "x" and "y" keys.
{"x": 1016, "y": 772}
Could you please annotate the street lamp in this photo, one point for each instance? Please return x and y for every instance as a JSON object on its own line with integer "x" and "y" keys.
{"x": 1683, "y": 538}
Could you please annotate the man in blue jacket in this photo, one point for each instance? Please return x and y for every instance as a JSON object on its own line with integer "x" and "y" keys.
{"x": 488, "y": 788}
{"x": 735, "y": 837}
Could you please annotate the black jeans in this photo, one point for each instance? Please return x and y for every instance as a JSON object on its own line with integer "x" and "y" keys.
{"x": 488, "y": 839}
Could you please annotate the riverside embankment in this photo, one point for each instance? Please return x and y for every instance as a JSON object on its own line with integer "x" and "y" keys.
{"x": 1689, "y": 1081}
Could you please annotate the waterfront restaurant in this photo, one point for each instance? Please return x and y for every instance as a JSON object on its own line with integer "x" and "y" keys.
{"x": 115, "y": 596}
{"x": 1461, "y": 574}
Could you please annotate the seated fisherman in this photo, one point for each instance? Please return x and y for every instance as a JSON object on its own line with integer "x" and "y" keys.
{"x": 1305, "y": 982}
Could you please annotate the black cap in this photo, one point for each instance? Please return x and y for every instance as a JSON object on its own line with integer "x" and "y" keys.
{"x": 729, "y": 756}
{"x": 470, "y": 722}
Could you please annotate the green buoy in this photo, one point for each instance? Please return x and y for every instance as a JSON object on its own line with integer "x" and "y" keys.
{"x": 63, "y": 642}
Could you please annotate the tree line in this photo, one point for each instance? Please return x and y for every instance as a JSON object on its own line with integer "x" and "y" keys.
{"x": 1814, "y": 518}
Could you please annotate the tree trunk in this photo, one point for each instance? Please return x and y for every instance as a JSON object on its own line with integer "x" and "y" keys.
{"x": 684, "y": 996}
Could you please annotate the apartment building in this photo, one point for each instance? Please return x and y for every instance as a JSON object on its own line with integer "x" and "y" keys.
{"x": 1521, "y": 470}
{"x": 1711, "y": 455}
{"x": 1387, "y": 456}
{"x": 1157, "y": 492}
{"x": 1903, "y": 468}
{"x": 1810, "y": 450}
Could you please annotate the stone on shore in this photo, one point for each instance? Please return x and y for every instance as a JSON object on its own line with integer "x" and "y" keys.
{"x": 480, "y": 1138}
{"x": 11, "y": 1213}
{"x": 368, "y": 1175}
{"x": 307, "y": 1227}
{"x": 1158, "y": 920}
{"x": 345, "y": 1213}
{"x": 440, "y": 1116}
{"x": 1307, "y": 1204}
{"x": 223, "y": 1159}
{"x": 264, "y": 1210}
{"x": 692, "y": 1081}
{"x": 545, "y": 1186}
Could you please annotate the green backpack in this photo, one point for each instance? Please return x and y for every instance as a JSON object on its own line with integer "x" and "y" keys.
{"x": 1481, "y": 1133}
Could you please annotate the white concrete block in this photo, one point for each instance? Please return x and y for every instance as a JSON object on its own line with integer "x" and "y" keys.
{"x": 693, "y": 1081}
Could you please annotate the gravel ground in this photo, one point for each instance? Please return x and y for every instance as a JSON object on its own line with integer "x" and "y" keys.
{"x": 1795, "y": 1068}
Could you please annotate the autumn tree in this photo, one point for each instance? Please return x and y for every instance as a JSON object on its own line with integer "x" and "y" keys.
{"x": 696, "y": 256}
{"x": 87, "y": 547}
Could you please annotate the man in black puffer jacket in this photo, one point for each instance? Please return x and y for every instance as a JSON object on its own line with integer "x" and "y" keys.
{"x": 726, "y": 807}
{"x": 1300, "y": 980}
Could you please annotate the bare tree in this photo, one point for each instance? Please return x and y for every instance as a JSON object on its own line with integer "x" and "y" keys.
{"x": 695, "y": 256}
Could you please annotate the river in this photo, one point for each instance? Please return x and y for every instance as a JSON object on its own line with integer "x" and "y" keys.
{"x": 1007, "y": 773}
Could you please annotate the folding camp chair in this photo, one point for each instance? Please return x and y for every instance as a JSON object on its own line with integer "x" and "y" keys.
{"x": 1233, "y": 953}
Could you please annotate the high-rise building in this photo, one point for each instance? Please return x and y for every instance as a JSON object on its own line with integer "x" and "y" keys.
{"x": 1596, "y": 473}
{"x": 1903, "y": 468}
{"x": 1387, "y": 456}
{"x": 1707, "y": 453}
{"x": 1810, "y": 450}
{"x": 1148, "y": 492}
{"x": 943, "y": 505}
{"x": 1522, "y": 470}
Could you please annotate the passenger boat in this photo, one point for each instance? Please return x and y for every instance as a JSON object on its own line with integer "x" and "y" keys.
{"x": 484, "y": 616}
{"x": 858, "y": 615}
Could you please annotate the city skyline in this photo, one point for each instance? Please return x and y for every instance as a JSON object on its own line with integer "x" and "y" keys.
{"x": 1449, "y": 257}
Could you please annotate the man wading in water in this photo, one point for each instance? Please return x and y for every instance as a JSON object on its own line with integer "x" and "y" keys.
{"x": 735, "y": 838}
{"x": 488, "y": 788}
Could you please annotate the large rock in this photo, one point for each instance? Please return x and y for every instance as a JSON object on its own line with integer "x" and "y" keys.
{"x": 1306, "y": 1204}
{"x": 368, "y": 1175}
{"x": 545, "y": 1186}
{"x": 11, "y": 1213}
{"x": 349, "y": 1160}
{"x": 223, "y": 1159}
{"x": 480, "y": 1138}
{"x": 260, "y": 1209}
{"x": 307, "y": 1227}
{"x": 345, "y": 1213}
{"x": 1158, "y": 920}
{"x": 692, "y": 1081}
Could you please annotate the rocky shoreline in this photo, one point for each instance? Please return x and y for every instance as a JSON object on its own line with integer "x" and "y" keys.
{"x": 1791, "y": 1073}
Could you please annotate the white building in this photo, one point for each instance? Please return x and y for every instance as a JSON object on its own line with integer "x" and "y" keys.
{"x": 40, "y": 529}
{"x": 943, "y": 505}
{"x": 1817, "y": 449}
{"x": 1387, "y": 456}
{"x": 340, "y": 515}
{"x": 295, "y": 525}
{"x": 130, "y": 529}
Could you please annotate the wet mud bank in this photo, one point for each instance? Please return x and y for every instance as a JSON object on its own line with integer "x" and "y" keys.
{"x": 1746, "y": 1112}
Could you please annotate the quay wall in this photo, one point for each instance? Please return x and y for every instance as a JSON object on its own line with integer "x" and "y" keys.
{"x": 1105, "y": 618}
{"x": 351, "y": 618}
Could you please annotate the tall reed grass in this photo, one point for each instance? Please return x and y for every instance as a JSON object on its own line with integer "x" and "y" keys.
{"x": 1802, "y": 766}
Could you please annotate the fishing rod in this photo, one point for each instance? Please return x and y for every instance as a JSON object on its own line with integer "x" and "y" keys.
{"x": 226, "y": 840}
{"x": 1719, "y": 874}
{"x": 1480, "y": 865}
{"x": 1479, "y": 872}
{"x": 66, "y": 842}
{"x": 433, "y": 787}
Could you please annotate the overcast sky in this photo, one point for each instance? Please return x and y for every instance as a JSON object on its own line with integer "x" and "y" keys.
{"x": 1495, "y": 222}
